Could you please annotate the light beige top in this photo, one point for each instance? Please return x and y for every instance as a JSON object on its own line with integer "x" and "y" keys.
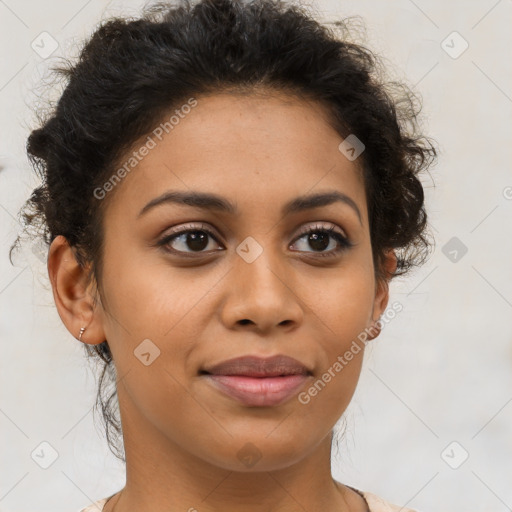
{"x": 375, "y": 504}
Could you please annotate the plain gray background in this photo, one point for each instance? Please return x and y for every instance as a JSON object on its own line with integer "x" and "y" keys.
{"x": 440, "y": 372}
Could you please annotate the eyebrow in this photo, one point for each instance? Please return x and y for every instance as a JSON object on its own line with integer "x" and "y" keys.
{"x": 208, "y": 201}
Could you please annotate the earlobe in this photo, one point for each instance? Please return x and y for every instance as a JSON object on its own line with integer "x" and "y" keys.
{"x": 71, "y": 293}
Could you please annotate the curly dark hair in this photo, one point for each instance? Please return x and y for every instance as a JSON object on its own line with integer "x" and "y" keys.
{"x": 130, "y": 72}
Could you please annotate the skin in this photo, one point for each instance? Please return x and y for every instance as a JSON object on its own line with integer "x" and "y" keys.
{"x": 181, "y": 435}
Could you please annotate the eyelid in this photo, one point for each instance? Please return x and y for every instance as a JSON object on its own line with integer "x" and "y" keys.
{"x": 307, "y": 228}
{"x": 201, "y": 226}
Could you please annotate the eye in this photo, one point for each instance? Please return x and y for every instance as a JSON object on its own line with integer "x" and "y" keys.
{"x": 196, "y": 239}
{"x": 193, "y": 237}
{"x": 320, "y": 238}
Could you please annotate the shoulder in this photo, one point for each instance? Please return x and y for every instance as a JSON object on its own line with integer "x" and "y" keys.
{"x": 97, "y": 506}
{"x": 377, "y": 504}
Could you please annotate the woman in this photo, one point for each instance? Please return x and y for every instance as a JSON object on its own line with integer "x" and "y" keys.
{"x": 228, "y": 189}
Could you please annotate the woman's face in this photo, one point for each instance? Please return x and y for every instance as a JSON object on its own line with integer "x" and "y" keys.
{"x": 257, "y": 286}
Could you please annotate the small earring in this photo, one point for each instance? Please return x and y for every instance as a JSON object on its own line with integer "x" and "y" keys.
{"x": 82, "y": 329}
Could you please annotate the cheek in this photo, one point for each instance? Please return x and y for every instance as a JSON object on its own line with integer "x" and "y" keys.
{"x": 340, "y": 304}
{"x": 156, "y": 314}
{"x": 341, "y": 314}
{"x": 146, "y": 298}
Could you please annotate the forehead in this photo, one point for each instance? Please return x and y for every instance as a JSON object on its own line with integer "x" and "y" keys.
{"x": 257, "y": 150}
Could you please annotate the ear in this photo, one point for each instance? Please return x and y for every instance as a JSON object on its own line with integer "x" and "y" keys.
{"x": 73, "y": 294}
{"x": 382, "y": 293}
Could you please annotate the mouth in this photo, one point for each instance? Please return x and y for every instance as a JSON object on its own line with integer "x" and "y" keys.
{"x": 258, "y": 382}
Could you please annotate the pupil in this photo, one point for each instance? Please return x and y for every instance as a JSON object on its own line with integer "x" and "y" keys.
{"x": 197, "y": 240}
{"x": 319, "y": 241}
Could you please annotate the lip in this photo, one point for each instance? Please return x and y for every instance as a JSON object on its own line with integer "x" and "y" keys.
{"x": 258, "y": 391}
{"x": 258, "y": 382}
{"x": 256, "y": 366}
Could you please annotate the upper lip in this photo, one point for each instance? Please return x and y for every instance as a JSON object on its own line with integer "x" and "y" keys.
{"x": 255, "y": 366}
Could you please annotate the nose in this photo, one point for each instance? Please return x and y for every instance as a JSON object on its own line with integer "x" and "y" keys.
{"x": 261, "y": 296}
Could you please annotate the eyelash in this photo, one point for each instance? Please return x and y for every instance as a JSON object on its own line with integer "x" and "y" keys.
{"x": 344, "y": 242}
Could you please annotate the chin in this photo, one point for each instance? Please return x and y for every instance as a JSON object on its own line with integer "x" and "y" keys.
{"x": 257, "y": 454}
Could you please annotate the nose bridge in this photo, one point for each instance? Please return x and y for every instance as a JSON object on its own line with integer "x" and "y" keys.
{"x": 261, "y": 288}
{"x": 257, "y": 265}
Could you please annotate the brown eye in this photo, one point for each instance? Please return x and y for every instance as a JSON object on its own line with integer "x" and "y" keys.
{"x": 194, "y": 239}
{"x": 320, "y": 238}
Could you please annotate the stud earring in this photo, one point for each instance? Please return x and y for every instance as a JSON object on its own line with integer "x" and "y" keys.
{"x": 82, "y": 329}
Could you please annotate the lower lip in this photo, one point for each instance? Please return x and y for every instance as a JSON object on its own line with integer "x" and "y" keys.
{"x": 258, "y": 391}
